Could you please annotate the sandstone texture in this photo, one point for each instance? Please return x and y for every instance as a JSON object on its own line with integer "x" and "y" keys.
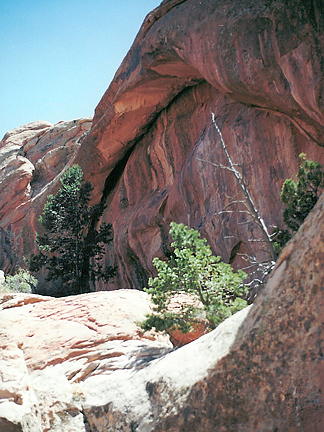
{"x": 259, "y": 67}
{"x": 81, "y": 363}
{"x": 273, "y": 377}
{"x": 149, "y": 152}
{"x": 31, "y": 159}
{"x": 49, "y": 347}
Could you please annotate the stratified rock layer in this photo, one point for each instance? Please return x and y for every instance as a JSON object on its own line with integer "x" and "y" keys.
{"x": 259, "y": 67}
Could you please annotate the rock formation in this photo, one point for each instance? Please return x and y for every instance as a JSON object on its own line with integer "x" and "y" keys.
{"x": 31, "y": 160}
{"x": 49, "y": 347}
{"x": 258, "y": 67}
{"x": 7, "y": 259}
{"x": 80, "y": 364}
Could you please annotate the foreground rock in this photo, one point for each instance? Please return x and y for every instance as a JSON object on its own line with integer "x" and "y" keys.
{"x": 273, "y": 377}
{"x": 80, "y": 363}
{"x": 49, "y": 347}
{"x": 31, "y": 159}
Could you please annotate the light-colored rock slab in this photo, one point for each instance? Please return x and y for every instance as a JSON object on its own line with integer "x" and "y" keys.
{"x": 50, "y": 346}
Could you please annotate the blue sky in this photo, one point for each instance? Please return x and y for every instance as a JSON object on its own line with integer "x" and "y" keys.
{"x": 58, "y": 57}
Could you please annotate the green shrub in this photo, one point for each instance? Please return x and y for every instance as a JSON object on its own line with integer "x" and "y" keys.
{"x": 299, "y": 198}
{"x": 22, "y": 282}
{"x": 192, "y": 269}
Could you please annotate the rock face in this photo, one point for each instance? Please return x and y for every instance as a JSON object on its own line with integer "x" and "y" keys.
{"x": 258, "y": 67}
{"x": 31, "y": 159}
{"x": 81, "y": 364}
{"x": 149, "y": 153}
{"x": 7, "y": 257}
{"x": 273, "y": 377}
{"x": 49, "y": 347}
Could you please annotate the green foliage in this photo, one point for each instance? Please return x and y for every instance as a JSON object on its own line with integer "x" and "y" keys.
{"x": 192, "y": 269}
{"x": 72, "y": 248}
{"x": 300, "y": 197}
{"x": 279, "y": 239}
{"x": 22, "y": 282}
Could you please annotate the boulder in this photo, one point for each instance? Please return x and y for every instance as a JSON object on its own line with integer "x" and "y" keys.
{"x": 152, "y": 152}
{"x": 272, "y": 379}
{"x": 50, "y": 346}
{"x": 142, "y": 400}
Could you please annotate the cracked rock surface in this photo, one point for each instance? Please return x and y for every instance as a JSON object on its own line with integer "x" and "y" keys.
{"x": 32, "y": 157}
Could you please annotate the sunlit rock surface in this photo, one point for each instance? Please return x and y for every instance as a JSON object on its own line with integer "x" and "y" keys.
{"x": 49, "y": 347}
{"x": 273, "y": 377}
{"x": 81, "y": 364}
{"x": 31, "y": 159}
{"x": 258, "y": 67}
{"x": 150, "y": 149}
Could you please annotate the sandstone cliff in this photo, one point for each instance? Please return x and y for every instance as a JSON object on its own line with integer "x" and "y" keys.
{"x": 259, "y": 67}
{"x": 81, "y": 363}
{"x": 31, "y": 159}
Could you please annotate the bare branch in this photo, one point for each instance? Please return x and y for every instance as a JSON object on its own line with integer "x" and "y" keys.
{"x": 246, "y": 222}
{"x": 249, "y": 202}
{"x": 215, "y": 165}
{"x": 233, "y": 211}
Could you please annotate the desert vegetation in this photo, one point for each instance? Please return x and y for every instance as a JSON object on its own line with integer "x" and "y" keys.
{"x": 217, "y": 292}
{"x": 71, "y": 248}
{"x": 22, "y": 281}
{"x": 299, "y": 197}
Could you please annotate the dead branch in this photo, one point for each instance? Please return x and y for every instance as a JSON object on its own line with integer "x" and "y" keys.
{"x": 253, "y": 211}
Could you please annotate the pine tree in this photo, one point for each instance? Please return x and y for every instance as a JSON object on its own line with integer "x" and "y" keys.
{"x": 71, "y": 248}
